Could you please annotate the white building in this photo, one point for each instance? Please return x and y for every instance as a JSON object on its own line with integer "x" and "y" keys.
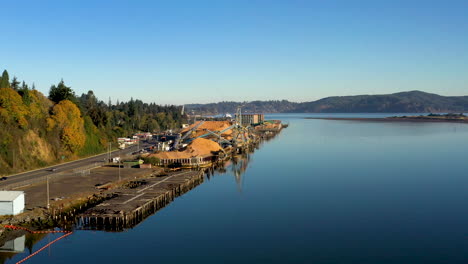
{"x": 11, "y": 202}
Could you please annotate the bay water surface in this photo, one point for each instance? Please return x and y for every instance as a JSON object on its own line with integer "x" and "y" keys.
{"x": 322, "y": 191}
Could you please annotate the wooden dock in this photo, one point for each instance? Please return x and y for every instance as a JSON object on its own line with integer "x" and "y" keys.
{"x": 142, "y": 198}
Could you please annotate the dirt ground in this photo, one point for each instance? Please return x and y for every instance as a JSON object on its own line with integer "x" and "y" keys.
{"x": 76, "y": 185}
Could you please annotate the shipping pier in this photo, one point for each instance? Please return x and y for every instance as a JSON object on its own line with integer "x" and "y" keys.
{"x": 137, "y": 200}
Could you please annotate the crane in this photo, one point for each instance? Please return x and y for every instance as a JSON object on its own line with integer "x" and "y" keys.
{"x": 182, "y": 138}
{"x": 217, "y": 133}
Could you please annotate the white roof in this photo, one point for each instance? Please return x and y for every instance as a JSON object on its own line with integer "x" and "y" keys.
{"x": 8, "y": 196}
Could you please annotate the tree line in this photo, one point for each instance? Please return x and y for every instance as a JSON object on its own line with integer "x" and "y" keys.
{"x": 37, "y": 130}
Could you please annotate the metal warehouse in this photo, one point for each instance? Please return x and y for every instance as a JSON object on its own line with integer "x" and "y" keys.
{"x": 11, "y": 202}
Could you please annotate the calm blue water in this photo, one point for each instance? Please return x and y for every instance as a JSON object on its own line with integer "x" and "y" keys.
{"x": 321, "y": 192}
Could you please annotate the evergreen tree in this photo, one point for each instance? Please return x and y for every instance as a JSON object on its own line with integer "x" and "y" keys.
{"x": 24, "y": 92}
{"x": 5, "y": 80}
{"x": 61, "y": 92}
{"x": 15, "y": 84}
{"x": 24, "y": 86}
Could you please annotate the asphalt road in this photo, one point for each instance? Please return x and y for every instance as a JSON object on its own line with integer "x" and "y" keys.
{"x": 86, "y": 162}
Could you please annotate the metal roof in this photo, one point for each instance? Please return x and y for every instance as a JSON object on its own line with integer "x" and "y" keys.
{"x": 8, "y": 196}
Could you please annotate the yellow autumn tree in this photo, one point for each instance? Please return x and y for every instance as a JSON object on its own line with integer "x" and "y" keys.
{"x": 39, "y": 106}
{"x": 12, "y": 107}
{"x": 67, "y": 118}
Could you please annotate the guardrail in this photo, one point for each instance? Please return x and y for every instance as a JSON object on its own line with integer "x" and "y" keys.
{"x": 13, "y": 186}
{"x": 85, "y": 170}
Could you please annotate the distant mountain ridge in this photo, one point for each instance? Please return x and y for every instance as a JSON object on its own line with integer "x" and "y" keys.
{"x": 404, "y": 102}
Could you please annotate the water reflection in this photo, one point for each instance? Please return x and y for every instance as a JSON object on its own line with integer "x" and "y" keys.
{"x": 15, "y": 245}
{"x": 237, "y": 164}
{"x": 11, "y": 248}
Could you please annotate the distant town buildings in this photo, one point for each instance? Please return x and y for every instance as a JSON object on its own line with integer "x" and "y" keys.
{"x": 123, "y": 142}
{"x": 143, "y": 136}
{"x": 128, "y": 141}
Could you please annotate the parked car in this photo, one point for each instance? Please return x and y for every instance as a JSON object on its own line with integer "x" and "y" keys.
{"x": 3, "y": 178}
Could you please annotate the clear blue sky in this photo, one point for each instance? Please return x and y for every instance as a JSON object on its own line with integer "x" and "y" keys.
{"x": 208, "y": 51}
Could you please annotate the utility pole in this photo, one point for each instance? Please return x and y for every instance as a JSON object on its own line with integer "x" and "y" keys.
{"x": 48, "y": 198}
{"x": 110, "y": 156}
{"x": 119, "y": 165}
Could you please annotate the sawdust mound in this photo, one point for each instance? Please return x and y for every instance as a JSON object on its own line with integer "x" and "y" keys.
{"x": 211, "y": 126}
{"x": 198, "y": 147}
{"x": 201, "y": 146}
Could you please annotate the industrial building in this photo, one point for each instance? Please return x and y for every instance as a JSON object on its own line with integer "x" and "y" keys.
{"x": 200, "y": 152}
{"x": 11, "y": 202}
{"x": 251, "y": 119}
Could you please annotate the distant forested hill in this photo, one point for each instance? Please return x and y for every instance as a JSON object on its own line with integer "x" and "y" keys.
{"x": 251, "y": 107}
{"x": 409, "y": 102}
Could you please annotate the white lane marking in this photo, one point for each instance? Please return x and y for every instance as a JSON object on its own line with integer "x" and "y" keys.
{"x": 154, "y": 184}
{"x": 131, "y": 199}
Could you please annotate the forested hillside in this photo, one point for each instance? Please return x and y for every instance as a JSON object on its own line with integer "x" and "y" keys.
{"x": 36, "y": 130}
{"x": 282, "y": 106}
{"x": 404, "y": 102}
